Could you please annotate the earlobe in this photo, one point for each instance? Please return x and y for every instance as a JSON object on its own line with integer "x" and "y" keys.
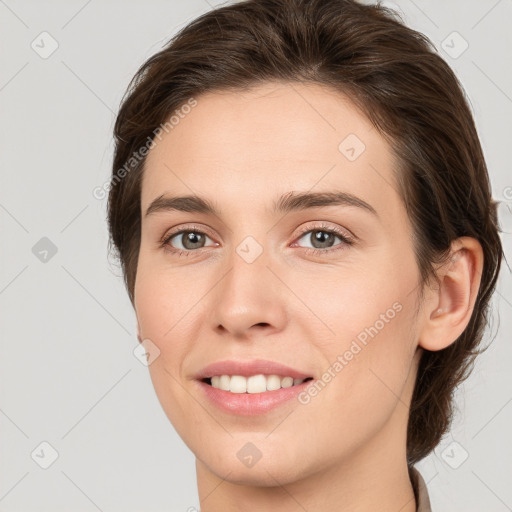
{"x": 449, "y": 311}
{"x": 139, "y": 337}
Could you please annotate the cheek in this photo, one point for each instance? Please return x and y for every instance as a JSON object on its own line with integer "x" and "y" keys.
{"x": 371, "y": 341}
{"x": 369, "y": 384}
{"x": 159, "y": 310}
{"x": 358, "y": 303}
{"x": 157, "y": 297}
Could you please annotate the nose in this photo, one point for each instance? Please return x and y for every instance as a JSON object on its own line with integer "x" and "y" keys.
{"x": 249, "y": 299}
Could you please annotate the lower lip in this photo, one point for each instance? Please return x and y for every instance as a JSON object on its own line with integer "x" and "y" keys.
{"x": 251, "y": 404}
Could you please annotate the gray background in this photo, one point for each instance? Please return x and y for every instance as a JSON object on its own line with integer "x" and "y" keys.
{"x": 68, "y": 375}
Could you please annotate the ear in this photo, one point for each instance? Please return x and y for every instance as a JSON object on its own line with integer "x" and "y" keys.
{"x": 449, "y": 308}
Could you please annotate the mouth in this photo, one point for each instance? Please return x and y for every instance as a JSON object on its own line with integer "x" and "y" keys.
{"x": 251, "y": 395}
{"x": 251, "y": 387}
{"x": 259, "y": 383}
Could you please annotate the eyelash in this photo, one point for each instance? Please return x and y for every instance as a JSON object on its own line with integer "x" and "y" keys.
{"x": 164, "y": 243}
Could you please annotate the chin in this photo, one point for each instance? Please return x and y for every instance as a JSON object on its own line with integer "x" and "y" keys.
{"x": 254, "y": 461}
{"x": 262, "y": 474}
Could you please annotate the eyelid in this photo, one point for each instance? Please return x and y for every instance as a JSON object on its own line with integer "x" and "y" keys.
{"x": 185, "y": 227}
{"x": 323, "y": 226}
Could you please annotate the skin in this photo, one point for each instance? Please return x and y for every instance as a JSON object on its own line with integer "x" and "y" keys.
{"x": 345, "y": 449}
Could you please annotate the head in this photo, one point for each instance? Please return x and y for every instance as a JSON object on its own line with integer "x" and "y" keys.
{"x": 247, "y": 107}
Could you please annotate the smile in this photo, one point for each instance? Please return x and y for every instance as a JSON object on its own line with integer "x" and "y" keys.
{"x": 253, "y": 384}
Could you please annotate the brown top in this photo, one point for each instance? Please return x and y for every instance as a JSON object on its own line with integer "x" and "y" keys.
{"x": 420, "y": 491}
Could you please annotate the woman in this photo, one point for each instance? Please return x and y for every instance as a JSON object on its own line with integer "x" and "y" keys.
{"x": 303, "y": 215}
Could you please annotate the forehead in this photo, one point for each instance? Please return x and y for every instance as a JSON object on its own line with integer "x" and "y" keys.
{"x": 240, "y": 146}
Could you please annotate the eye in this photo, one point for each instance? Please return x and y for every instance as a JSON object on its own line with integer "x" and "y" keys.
{"x": 185, "y": 241}
{"x": 322, "y": 238}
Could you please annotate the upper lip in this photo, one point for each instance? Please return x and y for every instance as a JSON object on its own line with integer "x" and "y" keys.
{"x": 248, "y": 368}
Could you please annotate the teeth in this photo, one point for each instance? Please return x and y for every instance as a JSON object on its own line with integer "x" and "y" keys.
{"x": 254, "y": 384}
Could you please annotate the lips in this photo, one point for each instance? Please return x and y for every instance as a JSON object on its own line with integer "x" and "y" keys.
{"x": 250, "y": 403}
{"x": 249, "y": 368}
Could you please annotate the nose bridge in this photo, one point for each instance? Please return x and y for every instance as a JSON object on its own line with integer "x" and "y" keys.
{"x": 248, "y": 279}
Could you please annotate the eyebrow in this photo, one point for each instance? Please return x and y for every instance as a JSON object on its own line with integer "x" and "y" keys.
{"x": 292, "y": 201}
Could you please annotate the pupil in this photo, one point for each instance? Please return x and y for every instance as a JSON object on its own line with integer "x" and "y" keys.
{"x": 318, "y": 236}
{"x": 189, "y": 238}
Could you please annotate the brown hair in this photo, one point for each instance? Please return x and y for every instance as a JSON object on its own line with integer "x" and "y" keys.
{"x": 394, "y": 75}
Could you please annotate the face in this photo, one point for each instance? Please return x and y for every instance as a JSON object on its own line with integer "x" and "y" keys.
{"x": 326, "y": 288}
